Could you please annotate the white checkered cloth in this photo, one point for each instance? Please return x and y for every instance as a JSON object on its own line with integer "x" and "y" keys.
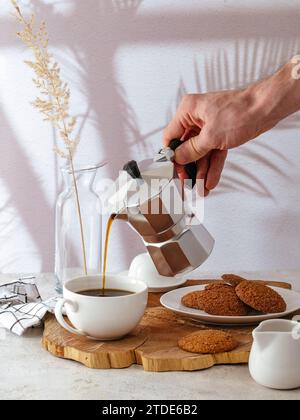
{"x": 21, "y": 306}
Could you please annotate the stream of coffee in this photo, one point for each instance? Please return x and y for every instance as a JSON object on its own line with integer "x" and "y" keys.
{"x": 108, "y": 229}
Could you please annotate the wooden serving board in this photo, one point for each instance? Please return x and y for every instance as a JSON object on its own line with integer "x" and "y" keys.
{"x": 153, "y": 344}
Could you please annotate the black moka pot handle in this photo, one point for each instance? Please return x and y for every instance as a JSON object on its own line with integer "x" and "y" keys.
{"x": 132, "y": 168}
{"x": 191, "y": 168}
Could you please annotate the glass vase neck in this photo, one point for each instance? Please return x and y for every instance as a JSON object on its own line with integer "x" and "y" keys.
{"x": 84, "y": 174}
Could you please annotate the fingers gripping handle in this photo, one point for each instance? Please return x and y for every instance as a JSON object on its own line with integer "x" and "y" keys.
{"x": 191, "y": 168}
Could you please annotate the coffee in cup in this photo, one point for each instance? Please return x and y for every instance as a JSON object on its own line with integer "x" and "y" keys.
{"x": 102, "y": 317}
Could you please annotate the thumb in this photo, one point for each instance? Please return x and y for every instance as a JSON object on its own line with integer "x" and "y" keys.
{"x": 192, "y": 150}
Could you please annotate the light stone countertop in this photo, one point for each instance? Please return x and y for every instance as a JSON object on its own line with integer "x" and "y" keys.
{"x": 29, "y": 372}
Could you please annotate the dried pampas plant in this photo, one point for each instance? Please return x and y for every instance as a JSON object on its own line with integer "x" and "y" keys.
{"x": 54, "y": 100}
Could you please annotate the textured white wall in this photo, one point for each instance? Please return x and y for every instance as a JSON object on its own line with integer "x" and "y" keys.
{"x": 129, "y": 62}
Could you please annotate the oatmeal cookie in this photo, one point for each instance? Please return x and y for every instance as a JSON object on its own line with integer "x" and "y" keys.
{"x": 217, "y": 299}
{"x": 233, "y": 279}
{"x": 217, "y": 284}
{"x": 260, "y": 297}
{"x": 193, "y": 300}
{"x": 208, "y": 342}
{"x": 222, "y": 300}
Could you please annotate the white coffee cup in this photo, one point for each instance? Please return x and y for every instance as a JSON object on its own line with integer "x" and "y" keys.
{"x": 102, "y": 318}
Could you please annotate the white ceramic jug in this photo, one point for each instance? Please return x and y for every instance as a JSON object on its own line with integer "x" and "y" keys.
{"x": 275, "y": 355}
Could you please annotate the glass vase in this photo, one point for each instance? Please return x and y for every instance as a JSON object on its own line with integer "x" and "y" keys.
{"x": 72, "y": 243}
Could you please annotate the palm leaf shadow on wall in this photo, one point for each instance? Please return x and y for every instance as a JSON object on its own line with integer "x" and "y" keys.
{"x": 265, "y": 58}
{"x": 7, "y": 218}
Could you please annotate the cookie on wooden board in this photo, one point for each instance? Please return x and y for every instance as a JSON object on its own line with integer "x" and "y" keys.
{"x": 260, "y": 297}
{"x": 208, "y": 342}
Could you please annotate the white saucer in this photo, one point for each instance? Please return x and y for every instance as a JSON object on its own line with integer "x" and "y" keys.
{"x": 143, "y": 268}
{"x": 172, "y": 301}
{"x": 167, "y": 284}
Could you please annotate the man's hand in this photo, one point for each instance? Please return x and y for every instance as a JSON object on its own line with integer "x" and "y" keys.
{"x": 211, "y": 124}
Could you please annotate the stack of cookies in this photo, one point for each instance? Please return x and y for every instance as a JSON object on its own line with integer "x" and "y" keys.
{"x": 231, "y": 296}
{"x": 236, "y": 296}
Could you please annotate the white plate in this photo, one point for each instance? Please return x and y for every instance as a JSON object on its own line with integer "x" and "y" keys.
{"x": 172, "y": 301}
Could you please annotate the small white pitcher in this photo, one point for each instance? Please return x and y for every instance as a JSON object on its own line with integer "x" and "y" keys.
{"x": 275, "y": 355}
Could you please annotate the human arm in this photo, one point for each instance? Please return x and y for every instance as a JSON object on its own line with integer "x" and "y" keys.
{"x": 210, "y": 124}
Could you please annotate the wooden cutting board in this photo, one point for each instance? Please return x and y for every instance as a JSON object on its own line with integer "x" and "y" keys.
{"x": 153, "y": 344}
